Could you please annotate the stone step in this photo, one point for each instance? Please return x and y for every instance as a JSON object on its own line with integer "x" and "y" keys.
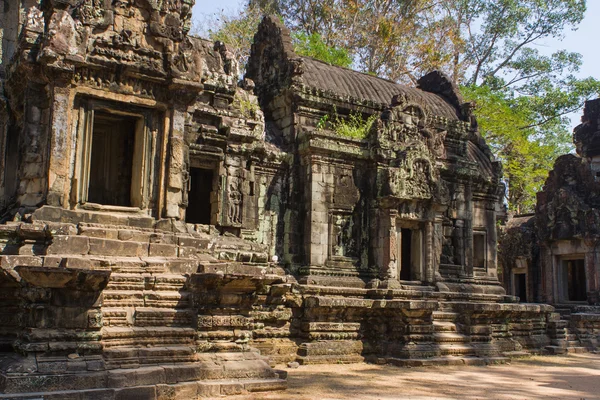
{"x": 330, "y": 359}
{"x": 135, "y": 356}
{"x": 457, "y": 349}
{"x": 444, "y": 316}
{"x": 147, "y": 316}
{"x": 125, "y": 281}
{"x": 146, "y": 298}
{"x": 450, "y": 337}
{"x": 576, "y": 350}
{"x": 517, "y": 354}
{"x": 447, "y": 361}
{"x": 444, "y": 326}
{"x": 147, "y": 336}
{"x": 555, "y": 350}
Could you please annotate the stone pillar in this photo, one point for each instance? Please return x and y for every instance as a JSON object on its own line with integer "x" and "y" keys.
{"x": 388, "y": 239}
{"x": 553, "y": 277}
{"x": 177, "y": 149}
{"x": 319, "y": 219}
{"x": 60, "y": 156}
{"x": 591, "y": 273}
{"x": 429, "y": 267}
{"x": 492, "y": 242}
{"x": 468, "y": 231}
{"x": 438, "y": 238}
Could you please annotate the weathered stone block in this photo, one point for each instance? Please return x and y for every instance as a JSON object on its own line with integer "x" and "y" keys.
{"x": 162, "y": 250}
{"x": 107, "y": 247}
{"x": 67, "y": 244}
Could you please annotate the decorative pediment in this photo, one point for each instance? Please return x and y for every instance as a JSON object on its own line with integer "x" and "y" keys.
{"x": 406, "y": 142}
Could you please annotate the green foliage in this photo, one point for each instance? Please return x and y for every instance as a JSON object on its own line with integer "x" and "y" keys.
{"x": 236, "y": 29}
{"x": 354, "y": 126}
{"x": 526, "y": 154}
{"x": 312, "y": 45}
{"x": 247, "y": 107}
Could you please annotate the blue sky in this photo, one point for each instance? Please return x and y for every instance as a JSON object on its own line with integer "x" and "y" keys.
{"x": 584, "y": 40}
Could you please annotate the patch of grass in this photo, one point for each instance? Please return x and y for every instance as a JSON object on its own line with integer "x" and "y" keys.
{"x": 355, "y": 126}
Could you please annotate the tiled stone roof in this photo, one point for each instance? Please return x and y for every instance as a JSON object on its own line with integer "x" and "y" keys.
{"x": 346, "y": 82}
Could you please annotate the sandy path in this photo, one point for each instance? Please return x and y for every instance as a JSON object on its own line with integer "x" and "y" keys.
{"x": 572, "y": 377}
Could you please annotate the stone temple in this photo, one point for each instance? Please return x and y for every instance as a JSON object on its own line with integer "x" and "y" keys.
{"x": 171, "y": 233}
{"x": 553, "y": 256}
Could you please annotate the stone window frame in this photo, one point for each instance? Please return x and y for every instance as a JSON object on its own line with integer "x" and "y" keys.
{"x": 144, "y": 141}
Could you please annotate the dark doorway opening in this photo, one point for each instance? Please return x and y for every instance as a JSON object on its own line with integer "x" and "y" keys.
{"x": 111, "y": 160}
{"x": 405, "y": 255}
{"x": 576, "y": 286}
{"x": 479, "y": 250}
{"x": 521, "y": 286}
{"x": 199, "y": 210}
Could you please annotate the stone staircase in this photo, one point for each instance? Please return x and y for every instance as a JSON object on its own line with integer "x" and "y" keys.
{"x": 447, "y": 335}
{"x": 564, "y": 338}
{"x": 163, "y": 301}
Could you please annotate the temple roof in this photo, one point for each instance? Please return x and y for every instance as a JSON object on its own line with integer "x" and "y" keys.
{"x": 347, "y": 82}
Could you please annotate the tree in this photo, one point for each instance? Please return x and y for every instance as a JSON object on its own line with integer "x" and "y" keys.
{"x": 237, "y": 30}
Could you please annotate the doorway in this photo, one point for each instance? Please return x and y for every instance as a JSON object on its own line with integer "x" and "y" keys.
{"x": 199, "y": 204}
{"x": 574, "y": 272}
{"x": 520, "y": 282}
{"x": 405, "y": 254}
{"x": 111, "y": 159}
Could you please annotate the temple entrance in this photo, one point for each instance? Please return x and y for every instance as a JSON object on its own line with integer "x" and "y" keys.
{"x": 111, "y": 158}
{"x": 405, "y": 255}
{"x": 199, "y": 204}
{"x": 574, "y": 282}
{"x": 479, "y": 250}
{"x": 409, "y": 251}
{"x": 520, "y": 283}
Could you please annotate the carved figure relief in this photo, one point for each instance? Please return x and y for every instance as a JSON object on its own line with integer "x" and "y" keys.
{"x": 234, "y": 200}
{"x": 96, "y": 13}
{"x": 345, "y": 193}
{"x": 341, "y": 234}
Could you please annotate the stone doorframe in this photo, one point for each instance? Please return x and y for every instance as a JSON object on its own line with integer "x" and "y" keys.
{"x": 146, "y": 150}
{"x": 391, "y": 223}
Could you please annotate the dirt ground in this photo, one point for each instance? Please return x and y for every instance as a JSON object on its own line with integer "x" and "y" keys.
{"x": 551, "y": 377}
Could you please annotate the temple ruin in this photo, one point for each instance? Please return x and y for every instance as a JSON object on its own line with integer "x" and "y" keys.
{"x": 552, "y": 256}
{"x": 170, "y": 231}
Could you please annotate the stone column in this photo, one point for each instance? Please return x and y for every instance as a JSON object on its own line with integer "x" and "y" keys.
{"x": 438, "y": 238}
{"x": 319, "y": 218}
{"x": 175, "y": 184}
{"x": 388, "y": 239}
{"x": 492, "y": 243}
{"x": 591, "y": 271}
{"x": 468, "y": 231}
{"x": 429, "y": 267}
